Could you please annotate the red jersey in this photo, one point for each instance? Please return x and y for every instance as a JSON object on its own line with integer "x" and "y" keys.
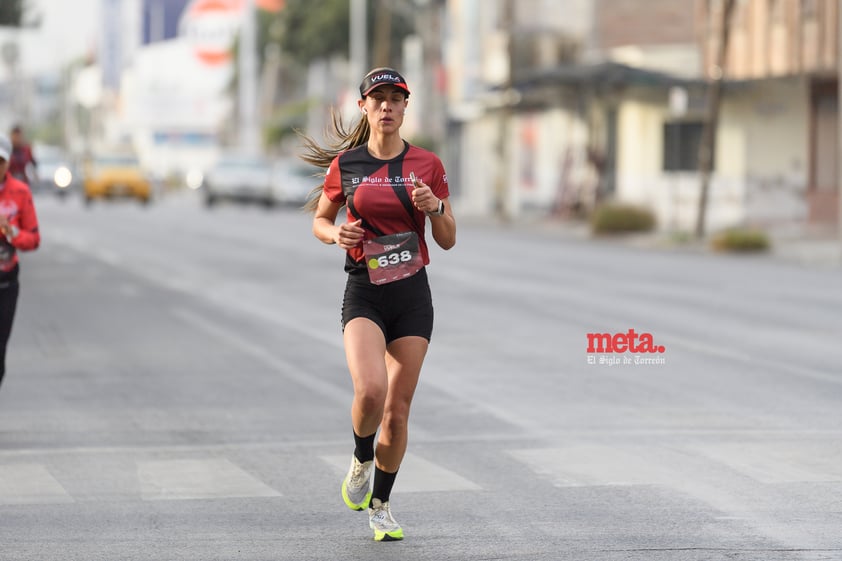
{"x": 374, "y": 186}
{"x": 19, "y": 160}
{"x": 16, "y": 205}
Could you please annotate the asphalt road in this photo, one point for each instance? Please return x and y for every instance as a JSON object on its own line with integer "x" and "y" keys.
{"x": 176, "y": 389}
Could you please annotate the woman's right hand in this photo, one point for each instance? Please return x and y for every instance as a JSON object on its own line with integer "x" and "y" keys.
{"x": 5, "y": 227}
{"x": 349, "y": 234}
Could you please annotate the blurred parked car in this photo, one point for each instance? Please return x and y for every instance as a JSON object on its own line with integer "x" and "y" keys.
{"x": 116, "y": 175}
{"x": 56, "y": 172}
{"x": 240, "y": 178}
{"x": 294, "y": 181}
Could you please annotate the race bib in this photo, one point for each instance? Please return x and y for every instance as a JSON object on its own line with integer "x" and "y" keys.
{"x": 393, "y": 257}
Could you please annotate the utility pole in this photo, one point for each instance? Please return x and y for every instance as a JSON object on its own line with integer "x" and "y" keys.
{"x": 383, "y": 33}
{"x": 707, "y": 146}
{"x": 359, "y": 56}
{"x": 839, "y": 118}
{"x": 11, "y": 57}
{"x": 501, "y": 184}
{"x": 249, "y": 133}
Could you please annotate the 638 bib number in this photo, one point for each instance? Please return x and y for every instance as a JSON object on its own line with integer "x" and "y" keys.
{"x": 393, "y": 257}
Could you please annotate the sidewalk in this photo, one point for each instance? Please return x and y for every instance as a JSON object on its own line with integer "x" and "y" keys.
{"x": 808, "y": 250}
{"x": 823, "y": 249}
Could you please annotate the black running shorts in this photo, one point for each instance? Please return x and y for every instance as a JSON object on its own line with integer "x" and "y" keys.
{"x": 401, "y": 308}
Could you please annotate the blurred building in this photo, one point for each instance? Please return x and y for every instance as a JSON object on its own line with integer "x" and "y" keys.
{"x": 161, "y": 81}
{"x": 554, "y": 93}
{"x": 556, "y": 105}
{"x": 781, "y": 126}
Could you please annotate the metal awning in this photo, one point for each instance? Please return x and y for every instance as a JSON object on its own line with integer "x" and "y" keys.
{"x": 602, "y": 74}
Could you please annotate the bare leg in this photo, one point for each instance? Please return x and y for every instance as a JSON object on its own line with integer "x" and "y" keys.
{"x": 404, "y": 358}
{"x": 365, "y": 347}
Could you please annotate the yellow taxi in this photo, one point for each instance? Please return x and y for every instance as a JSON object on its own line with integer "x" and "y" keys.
{"x": 115, "y": 175}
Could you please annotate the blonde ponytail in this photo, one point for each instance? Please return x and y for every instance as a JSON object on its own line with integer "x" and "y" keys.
{"x": 340, "y": 139}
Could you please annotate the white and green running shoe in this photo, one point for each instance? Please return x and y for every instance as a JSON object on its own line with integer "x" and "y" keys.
{"x": 381, "y": 521}
{"x": 355, "y": 487}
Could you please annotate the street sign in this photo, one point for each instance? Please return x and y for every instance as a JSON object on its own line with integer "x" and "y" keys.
{"x": 211, "y": 26}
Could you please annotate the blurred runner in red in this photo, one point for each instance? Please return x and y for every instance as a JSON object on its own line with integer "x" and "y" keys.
{"x": 18, "y": 231}
{"x": 22, "y": 164}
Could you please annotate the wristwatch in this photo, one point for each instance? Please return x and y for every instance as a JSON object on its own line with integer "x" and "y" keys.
{"x": 438, "y": 212}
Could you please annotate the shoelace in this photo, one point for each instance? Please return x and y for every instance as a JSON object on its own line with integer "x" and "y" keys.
{"x": 359, "y": 470}
{"x": 383, "y": 514}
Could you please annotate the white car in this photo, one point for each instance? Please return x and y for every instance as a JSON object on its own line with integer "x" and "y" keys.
{"x": 294, "y": 181}
{"x": 55, "y": 171}
{"x": 240, "y": 178}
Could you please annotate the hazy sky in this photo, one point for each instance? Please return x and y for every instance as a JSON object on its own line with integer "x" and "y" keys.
{"x": 68, "y": 30}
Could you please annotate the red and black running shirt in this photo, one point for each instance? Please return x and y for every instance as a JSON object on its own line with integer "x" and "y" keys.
{"x": 373, "y": 186}
{"x": 19, "y": 159}
{"x": 16, "y": 205}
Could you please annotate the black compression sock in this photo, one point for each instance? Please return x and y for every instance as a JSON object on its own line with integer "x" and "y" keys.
{"x": 383, "y": 482}
{"x": 364, "y": 449}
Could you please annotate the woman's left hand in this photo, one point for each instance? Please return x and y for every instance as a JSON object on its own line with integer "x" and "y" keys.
{"x": 423, "y": 198}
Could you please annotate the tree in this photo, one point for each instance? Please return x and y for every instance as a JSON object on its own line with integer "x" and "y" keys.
{"x": 308, "y": 34}
{"x": 13, "y": 13}
{"x": 300, "y": 34}
{"x": 707, "y": 146}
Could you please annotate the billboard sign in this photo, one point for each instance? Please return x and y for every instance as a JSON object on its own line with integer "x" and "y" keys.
{"x": 211, "y": 27}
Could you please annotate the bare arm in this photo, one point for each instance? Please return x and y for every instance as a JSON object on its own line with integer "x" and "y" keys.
{"x": 24, "y": 235}
{"x": 345, "y": 235}
{"x": 444, "y": 226}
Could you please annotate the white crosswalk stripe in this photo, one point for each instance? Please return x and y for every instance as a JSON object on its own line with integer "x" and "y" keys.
{"x": 772, "y": 463}
{"x": 417, "y": 475}
{"x": 580, "y": 465}
{"x": 30, "y": 484}
{"x": 586, "y": 464}
{"x": 687, "y": 469}
{"x": 198, "y": 479}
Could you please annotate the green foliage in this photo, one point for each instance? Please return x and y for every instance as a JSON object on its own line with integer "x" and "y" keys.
{"x": 618, "y": 218}
{"x": 11, "y": 12}
{"x": 17, "y": 13}
{"x": 681, "y": 237}
{"x": 310, "y": 30}
{"x": 286, "y": 120}
{"x": 308, "y": 34}
{"x": 743, "y": 240}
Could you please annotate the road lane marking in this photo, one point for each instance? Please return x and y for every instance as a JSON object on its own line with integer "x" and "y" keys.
{"x": 429, "y": 438}
{"x": 30, "y": 484}
{"x": 290, "y": 370}
{"x": 417, "y": 475}
{"x": 215, "y": 478}
{"x": 179, "y": 283}
{"x": 590, "y": 465}
{"x": 754, "y": 360}
{"x": 708, "y": 479}
{"x": 776, "y": 462}
{"x": 548, "y": 291}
